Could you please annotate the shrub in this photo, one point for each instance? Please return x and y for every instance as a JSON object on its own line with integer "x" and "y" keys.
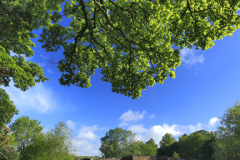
{"x": 176, "y": 155}
{"x": 9, "y": 153}
{"x": 69, "y": 157}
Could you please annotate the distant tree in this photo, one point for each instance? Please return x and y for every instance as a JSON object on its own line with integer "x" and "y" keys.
{"x": 61, "y": 139}
{"x": 149, "y": 148}
{"x": 193, "y": 145}
{"x": 204, "y": 132}
{"x": 167, "y": 140}
{"x": 169, "y": 150}
{"x": 151, "y": 142}
{"x": 181, "y": 142}
{"x": 227, "y": 145}
{"x": 168, "y": 145}
{"x": 52, "y": 145}
{"x": 207, "y": 149}
{"x": 161, "y": 151}
{"x": 196, "y": 145}
{"x": 133, "y": 149}
{"x": 24, "y": 130}
{"x": 38, "y": 149}
{"x": 115, "y": 142}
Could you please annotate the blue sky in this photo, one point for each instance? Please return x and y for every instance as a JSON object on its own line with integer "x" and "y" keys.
{"x": 206, "y": 84}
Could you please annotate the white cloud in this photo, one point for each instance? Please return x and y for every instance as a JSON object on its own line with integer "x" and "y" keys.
{"x": 198, "y": 68}
{"x": 137, "y": 129}
{"x": 156, "y": 132}
{"x": 49, "y": 71}
{"x": 42, "y": 56}
{"x": 41, "y": 64}
{"x": 104, "y": 128}
{"x": 70, "y": 124}
{"x": 123, "y": 124}
{"x": 188, "y": 57}
{"x": 85, "y": 129}
{"x": 86, "y": 148}
{"x": 38, "y": 97}
{"x": 83, "y": 141}
{"x": 152, "y": 116}
{"x": 132, "y": 116}
{"x": 213, "y": 121}
{"x": 89, "y": 135}
{"x": 86, "y": 133}
{"x": 195, "y": 128}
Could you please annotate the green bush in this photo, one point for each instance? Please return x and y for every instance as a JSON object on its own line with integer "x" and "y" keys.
{"x": 69, "y": 157}
{"x": 9, "y": 153}
{"x": 176, "y": 155}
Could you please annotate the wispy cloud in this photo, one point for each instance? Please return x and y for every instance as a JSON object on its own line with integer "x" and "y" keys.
{"x": 37, "y": 98}
{"x": 152, "y": 116}
{"x": 157, "y": 132}
{"x": 70, "y": 124}
{"x": 188, "y": 57}
{"x": 137, "y": 129}
{"x": 132, "y": 116}
{"x": 84, "y": 139}
{"x": 198, "y": 68}
{"x": 41, "y": 64}
{"x": 42, "y": 56}
{"x": 195, "y": 128}
{"x": 104, "y": 128}
{"x": 49, "y": 71}
{"x": 123, "y": 124}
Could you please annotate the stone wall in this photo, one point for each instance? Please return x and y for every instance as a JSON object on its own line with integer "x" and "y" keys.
{"x": 142, "y": 158}
{"x": 118, "y": 158}
{"x": 172, "y": 158}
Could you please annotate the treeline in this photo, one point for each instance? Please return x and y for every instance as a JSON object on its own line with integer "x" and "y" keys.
{"x": 196, "y": 145}
{"x": 120, "y": 143}
{"x": 32, "y": 143}
{"x": 224, "y": 144}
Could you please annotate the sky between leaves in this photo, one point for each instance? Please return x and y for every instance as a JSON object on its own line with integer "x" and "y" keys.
{"x": 206, "y": 84}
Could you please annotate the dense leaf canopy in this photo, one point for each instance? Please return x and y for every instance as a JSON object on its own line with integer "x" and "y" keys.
{"x": 143, "y": 32}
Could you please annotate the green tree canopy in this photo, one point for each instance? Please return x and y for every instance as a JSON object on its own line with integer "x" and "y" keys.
{"x": 168, "y": 150}
{"x": 61, "y": 139}
{"x": 115, "y": 142}
{"x": 143, "y": 32}
{"x": 207, "y": 148}
{"x": 227, "y": 145}
{"x": 55, "y": 144}
{"x": 24, "y": 130}
{"x": 192, "y": 146}
{"x": 133, "y": 149}
{"x": 44, "y": 148}
{"x": 151, "y": 142}
{"x": 204, "y": 132}
{"x": 167, "y": 140}
{"x": 149, "y": 148}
